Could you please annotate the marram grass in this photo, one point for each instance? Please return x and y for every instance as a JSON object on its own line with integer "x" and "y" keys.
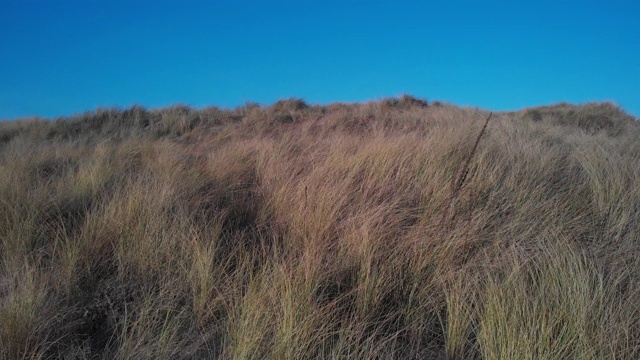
{"x": 342, "y": 231}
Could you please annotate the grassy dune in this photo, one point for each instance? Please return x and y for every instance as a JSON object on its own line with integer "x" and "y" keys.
{"x": 293, "y": 231}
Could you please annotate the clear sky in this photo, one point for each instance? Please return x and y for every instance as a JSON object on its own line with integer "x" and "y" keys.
{"x": 60, "y": 57}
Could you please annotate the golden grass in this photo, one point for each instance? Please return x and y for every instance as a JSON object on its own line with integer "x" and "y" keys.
{"x": 296, "y": 231}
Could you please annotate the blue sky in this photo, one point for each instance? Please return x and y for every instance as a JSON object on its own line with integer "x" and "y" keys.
{"x": 61, "y": 57}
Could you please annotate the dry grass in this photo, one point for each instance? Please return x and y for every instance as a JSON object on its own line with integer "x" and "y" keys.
{"x": 294, "y": 231}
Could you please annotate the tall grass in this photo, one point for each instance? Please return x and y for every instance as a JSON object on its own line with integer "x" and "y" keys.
{"x": 295, "y": 231}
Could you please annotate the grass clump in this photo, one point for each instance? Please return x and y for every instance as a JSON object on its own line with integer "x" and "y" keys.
{"x": 592, "y": 117}
{"x": 376, "y": 230}
{"x": 406, "y": 102}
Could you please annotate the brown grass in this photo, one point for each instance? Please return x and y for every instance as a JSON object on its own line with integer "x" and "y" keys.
{"x": 295, "y": 231}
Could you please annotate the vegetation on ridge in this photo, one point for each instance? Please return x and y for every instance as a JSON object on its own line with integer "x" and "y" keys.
{"x": 295, "y": 231}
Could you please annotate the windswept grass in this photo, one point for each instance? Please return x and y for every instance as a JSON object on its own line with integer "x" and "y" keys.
{"x": 390, "y": 229}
